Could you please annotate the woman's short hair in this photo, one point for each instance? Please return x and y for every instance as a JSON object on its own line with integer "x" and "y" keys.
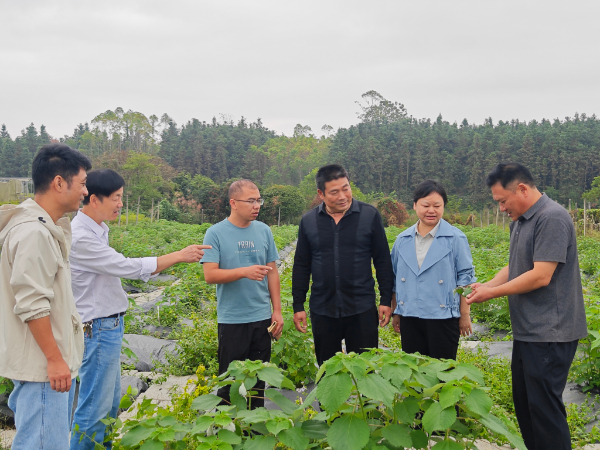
{"x": 428, "y": 187}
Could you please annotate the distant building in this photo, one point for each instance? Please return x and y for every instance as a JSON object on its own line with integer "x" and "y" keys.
{"x": 15, "y": 189}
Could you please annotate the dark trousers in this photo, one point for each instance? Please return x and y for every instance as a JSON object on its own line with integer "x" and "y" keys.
{"x": 241, "y": 341}
{"x": 437, "y": 338}
{"x": 359, "y": 331}
{"x": 539, "y": 376}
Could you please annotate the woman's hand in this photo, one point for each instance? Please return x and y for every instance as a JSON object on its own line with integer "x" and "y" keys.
{"x": 464, "y": 324}
{"x": 396, "y": 323}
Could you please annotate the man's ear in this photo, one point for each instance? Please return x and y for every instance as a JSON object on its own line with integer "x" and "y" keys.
{"x": 321, "y": 194}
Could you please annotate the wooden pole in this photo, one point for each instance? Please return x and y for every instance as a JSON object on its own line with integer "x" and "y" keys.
{"x": 279, "y": 217}
{"x": 503, "y": 216}
{"x": 158, "y": 211}
{"x": 569, "y": 205}
{"x": 488, "y": 224}
{"x": 138, "y": 211}
{"x": 584, "y": 216}
{"x": 120, "y": 212}
{"x": 481, "y": 219}
{"x": 473, "y": 220}
{"x": 497, "y": 214}
{"x": 152, "y": 212}
{"x": 202, "y": 215}
{"x": 127, "y": 211}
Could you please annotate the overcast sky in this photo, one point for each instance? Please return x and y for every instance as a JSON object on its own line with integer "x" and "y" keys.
{"x": 63, "y": 62}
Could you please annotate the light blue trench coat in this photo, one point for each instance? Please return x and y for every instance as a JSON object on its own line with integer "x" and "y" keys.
{"x": 427, "y": 292}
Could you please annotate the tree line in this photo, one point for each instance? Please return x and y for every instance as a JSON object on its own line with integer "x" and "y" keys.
{"x": 387, "y": 152}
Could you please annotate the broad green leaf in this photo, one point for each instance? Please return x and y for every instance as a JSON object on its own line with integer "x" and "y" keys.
{"x": 462, "y": 370}
{"x": 496, "y": 425}
{"x": 479, "y": 402}
{"x": 152, "y": 445}
{"x": 356, "y": 366}
{"x": 235, "y": 396}
{"x": 294, "y": 438}
{"x": 276, "y": 425}
{"x": 419, "y": 439}
{"x": 286, "y": 405}
{"x": 348, "y": 433}
{"x": 447, "y": 444}
{"x": 436, "y": 418}
{"x": 271, "y": 375}
{"x": 166, "y": 435}
{"x": 287, "y": 384}
{"x": 449, "y": 395}
{"x": 315, "y": 429}
{"x": 136, "y": 435}
{"x": 206, "y": 402}
{"x": 334, "y": 390}
{"x": 463, "y": 290}
{"x": 406, "y": 410}
{"x": 377, "y": 388}
{"x": 429, "y": 392}
{"x": 126, "y": 402}
{"x": 250, "y": 382}
{"x": 230, "y": 437}
{"x": 255, "y": 415}
{"x": 261, "y": 443}
{"x": 222, "y": 420}
{"x": 426, "y": 380}
{"x": 396, "y": 373}
{"x": 167, "y": 421}
{"x": 202, "y": 424}
{"x": 259, "y": 427}
{"x": 460, "y": 427}
{"x": 397, "y": 435}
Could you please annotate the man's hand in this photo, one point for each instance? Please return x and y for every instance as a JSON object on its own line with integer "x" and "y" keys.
{"x": 257, "y": 272}
{"x": 481, "y": 293}
{"x": 277, "y": 317}
{"x": 464, "y": 324}
{"x": 300, "y": 321}
{"x": 193, "y": 253}
{"x": 59, "y": 374}
{"x": 396, "y": 323}
{"x": 385, "y": 314}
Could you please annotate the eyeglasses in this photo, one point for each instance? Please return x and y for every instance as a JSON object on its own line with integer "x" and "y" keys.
{"x": 260, "y": 201}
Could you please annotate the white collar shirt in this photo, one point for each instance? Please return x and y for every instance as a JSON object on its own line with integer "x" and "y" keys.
{"x": 96, "y": 269}
{"x": 422, "y": 243}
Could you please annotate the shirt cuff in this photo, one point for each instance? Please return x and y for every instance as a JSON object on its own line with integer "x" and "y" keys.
{"x": 149, "y": 266}
{"x": 38, "y": 316}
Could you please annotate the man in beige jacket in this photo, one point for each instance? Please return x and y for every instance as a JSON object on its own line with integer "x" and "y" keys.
{"x": 41, "y": 342}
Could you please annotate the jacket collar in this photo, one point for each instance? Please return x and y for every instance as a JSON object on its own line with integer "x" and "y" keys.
{"x": 436, "y": 252}
{"x": 354, "y": 207}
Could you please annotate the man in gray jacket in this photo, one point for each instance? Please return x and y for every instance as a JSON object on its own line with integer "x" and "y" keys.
{"x": 41, "y": 344}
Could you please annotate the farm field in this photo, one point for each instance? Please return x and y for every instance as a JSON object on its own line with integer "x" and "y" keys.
{"x": 488, "y": 414}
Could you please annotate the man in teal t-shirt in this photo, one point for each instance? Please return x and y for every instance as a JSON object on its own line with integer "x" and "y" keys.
{"x": 242, "y": 265}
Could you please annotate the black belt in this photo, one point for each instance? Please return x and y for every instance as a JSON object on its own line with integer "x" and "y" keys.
{"x": 114, "y": 316}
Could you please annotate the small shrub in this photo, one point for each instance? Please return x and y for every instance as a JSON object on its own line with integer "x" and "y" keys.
{"x": 392, "y": 212}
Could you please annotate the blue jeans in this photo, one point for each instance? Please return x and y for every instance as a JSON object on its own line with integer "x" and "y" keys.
{"x": 100, "y": 383}
{"x": 41, "y": 416}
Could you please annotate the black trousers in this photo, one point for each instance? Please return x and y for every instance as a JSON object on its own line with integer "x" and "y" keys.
{"x": 437, "y": 338}
{"x": 539, "y": 376}
{"x": 359, "y": 331}
{"x": 241, "y": 341}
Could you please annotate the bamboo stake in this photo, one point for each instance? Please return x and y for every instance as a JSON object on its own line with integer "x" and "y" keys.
{"x": 138, "y": 211}
{"x": 497, "y": 214}
{"x": 152, "y": 212}
{"x": 584, "y": 216}
{"x": 127, "y": 211}
{"x": 158, "y": 211}
{"x": 279, "y": 217}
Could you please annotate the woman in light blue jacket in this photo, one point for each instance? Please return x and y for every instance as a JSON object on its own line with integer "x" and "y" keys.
{"x": 430, "y": 260}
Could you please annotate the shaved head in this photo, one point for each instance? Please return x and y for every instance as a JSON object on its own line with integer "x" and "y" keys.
{"x": 237, "y": 187}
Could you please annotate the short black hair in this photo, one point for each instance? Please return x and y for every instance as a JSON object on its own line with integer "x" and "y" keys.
{"x": 428, "y": 187}
{"x": 53, "y": 160}
{"x": 508, "y": 173}
{"x": 102, "y": 183}
{"x": 329, "y": 173}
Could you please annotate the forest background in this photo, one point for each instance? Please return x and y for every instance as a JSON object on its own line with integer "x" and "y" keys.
{"x": 387, "y": 153}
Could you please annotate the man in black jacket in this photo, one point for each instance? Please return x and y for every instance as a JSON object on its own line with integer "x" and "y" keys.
{"x": 337, "y": 241}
